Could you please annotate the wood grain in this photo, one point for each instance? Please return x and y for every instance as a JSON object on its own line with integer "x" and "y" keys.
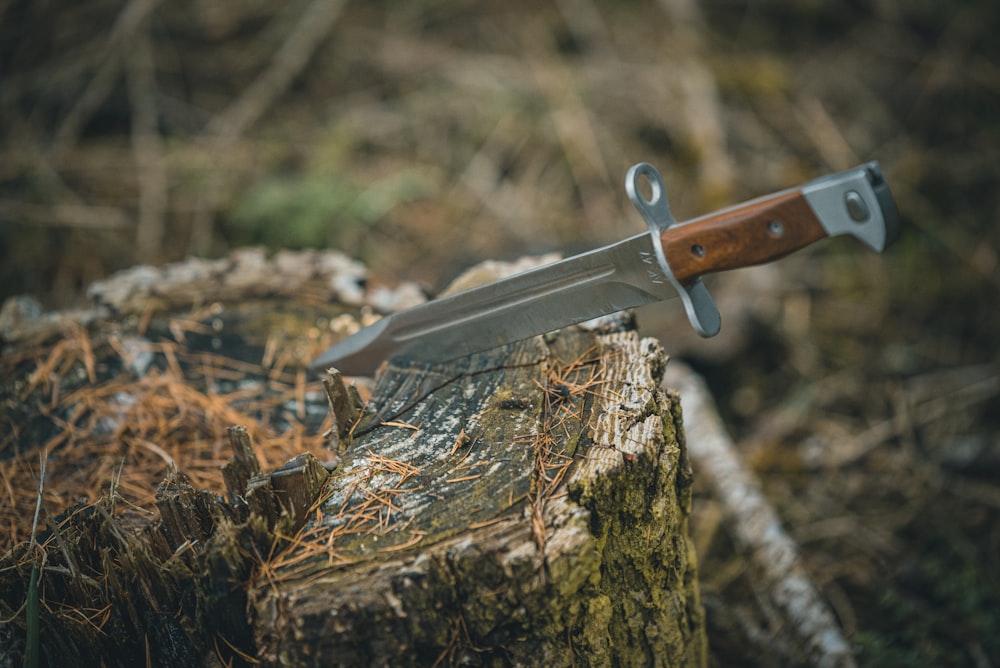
{"x": 753, "y": 233}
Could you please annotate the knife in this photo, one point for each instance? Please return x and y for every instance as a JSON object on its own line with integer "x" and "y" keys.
{"x": 665, "y": 262}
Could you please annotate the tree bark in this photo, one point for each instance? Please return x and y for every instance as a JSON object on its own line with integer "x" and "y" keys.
{"x": 528, "y": 505}
{"x": 524, "y": 506}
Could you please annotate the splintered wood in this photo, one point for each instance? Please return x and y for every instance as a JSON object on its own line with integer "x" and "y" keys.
{"x": 137, "y": 551}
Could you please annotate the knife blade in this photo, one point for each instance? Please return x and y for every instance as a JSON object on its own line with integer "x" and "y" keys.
{"x": 665, "y": 262}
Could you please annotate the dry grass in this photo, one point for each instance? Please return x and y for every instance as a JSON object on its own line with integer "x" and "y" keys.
{"x": 126, "y": 433}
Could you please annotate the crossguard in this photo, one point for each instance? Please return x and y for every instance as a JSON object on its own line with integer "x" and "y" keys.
{"x": 698, "y": 303}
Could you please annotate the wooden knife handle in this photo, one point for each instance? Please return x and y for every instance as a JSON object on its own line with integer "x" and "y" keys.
{"x": 758, "y": 231}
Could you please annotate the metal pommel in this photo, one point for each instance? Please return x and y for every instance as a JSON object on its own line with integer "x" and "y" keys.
{"x": 856, "y": 202}
{"x": 701, "y": 310}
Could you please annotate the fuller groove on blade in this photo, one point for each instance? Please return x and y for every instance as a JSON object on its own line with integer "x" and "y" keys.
{"x": 466, "y": 309}
{"x": 610, "y": 279}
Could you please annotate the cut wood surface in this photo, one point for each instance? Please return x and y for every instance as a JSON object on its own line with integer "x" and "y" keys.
{"x": 523, "y": 506}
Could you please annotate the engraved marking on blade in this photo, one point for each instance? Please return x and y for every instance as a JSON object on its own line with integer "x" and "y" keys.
{"x": 652, "y": 268}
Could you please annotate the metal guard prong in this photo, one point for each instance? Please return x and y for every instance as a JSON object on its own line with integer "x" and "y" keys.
{"x": 698, "y": 303}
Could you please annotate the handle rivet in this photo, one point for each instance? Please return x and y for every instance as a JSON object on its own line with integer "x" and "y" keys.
{"x": 775, "y": 228}
{"x": 856, "y": 207}
{"x": 698, "y": 250}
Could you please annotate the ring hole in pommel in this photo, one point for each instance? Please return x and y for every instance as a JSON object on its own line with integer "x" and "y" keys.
{"x": 648, "y": 188}
{"x": 645, "y": 189}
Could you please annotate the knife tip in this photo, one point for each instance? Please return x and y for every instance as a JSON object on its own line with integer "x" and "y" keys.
{"x": 357, "y": 355}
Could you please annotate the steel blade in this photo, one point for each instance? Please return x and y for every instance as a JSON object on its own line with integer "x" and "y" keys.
{"x": 603, "y": 281}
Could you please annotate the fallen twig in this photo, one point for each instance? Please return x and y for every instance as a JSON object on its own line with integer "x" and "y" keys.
{"x": 754, "y": 524}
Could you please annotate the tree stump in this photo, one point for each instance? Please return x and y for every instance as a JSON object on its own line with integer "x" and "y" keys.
{"x": 527, "y": 505}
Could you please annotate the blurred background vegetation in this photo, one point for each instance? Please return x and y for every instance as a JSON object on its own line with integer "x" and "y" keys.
{"x": 423, "y": 137}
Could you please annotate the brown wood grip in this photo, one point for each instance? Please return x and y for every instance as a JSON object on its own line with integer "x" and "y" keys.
{"x": 759, "y": 231}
